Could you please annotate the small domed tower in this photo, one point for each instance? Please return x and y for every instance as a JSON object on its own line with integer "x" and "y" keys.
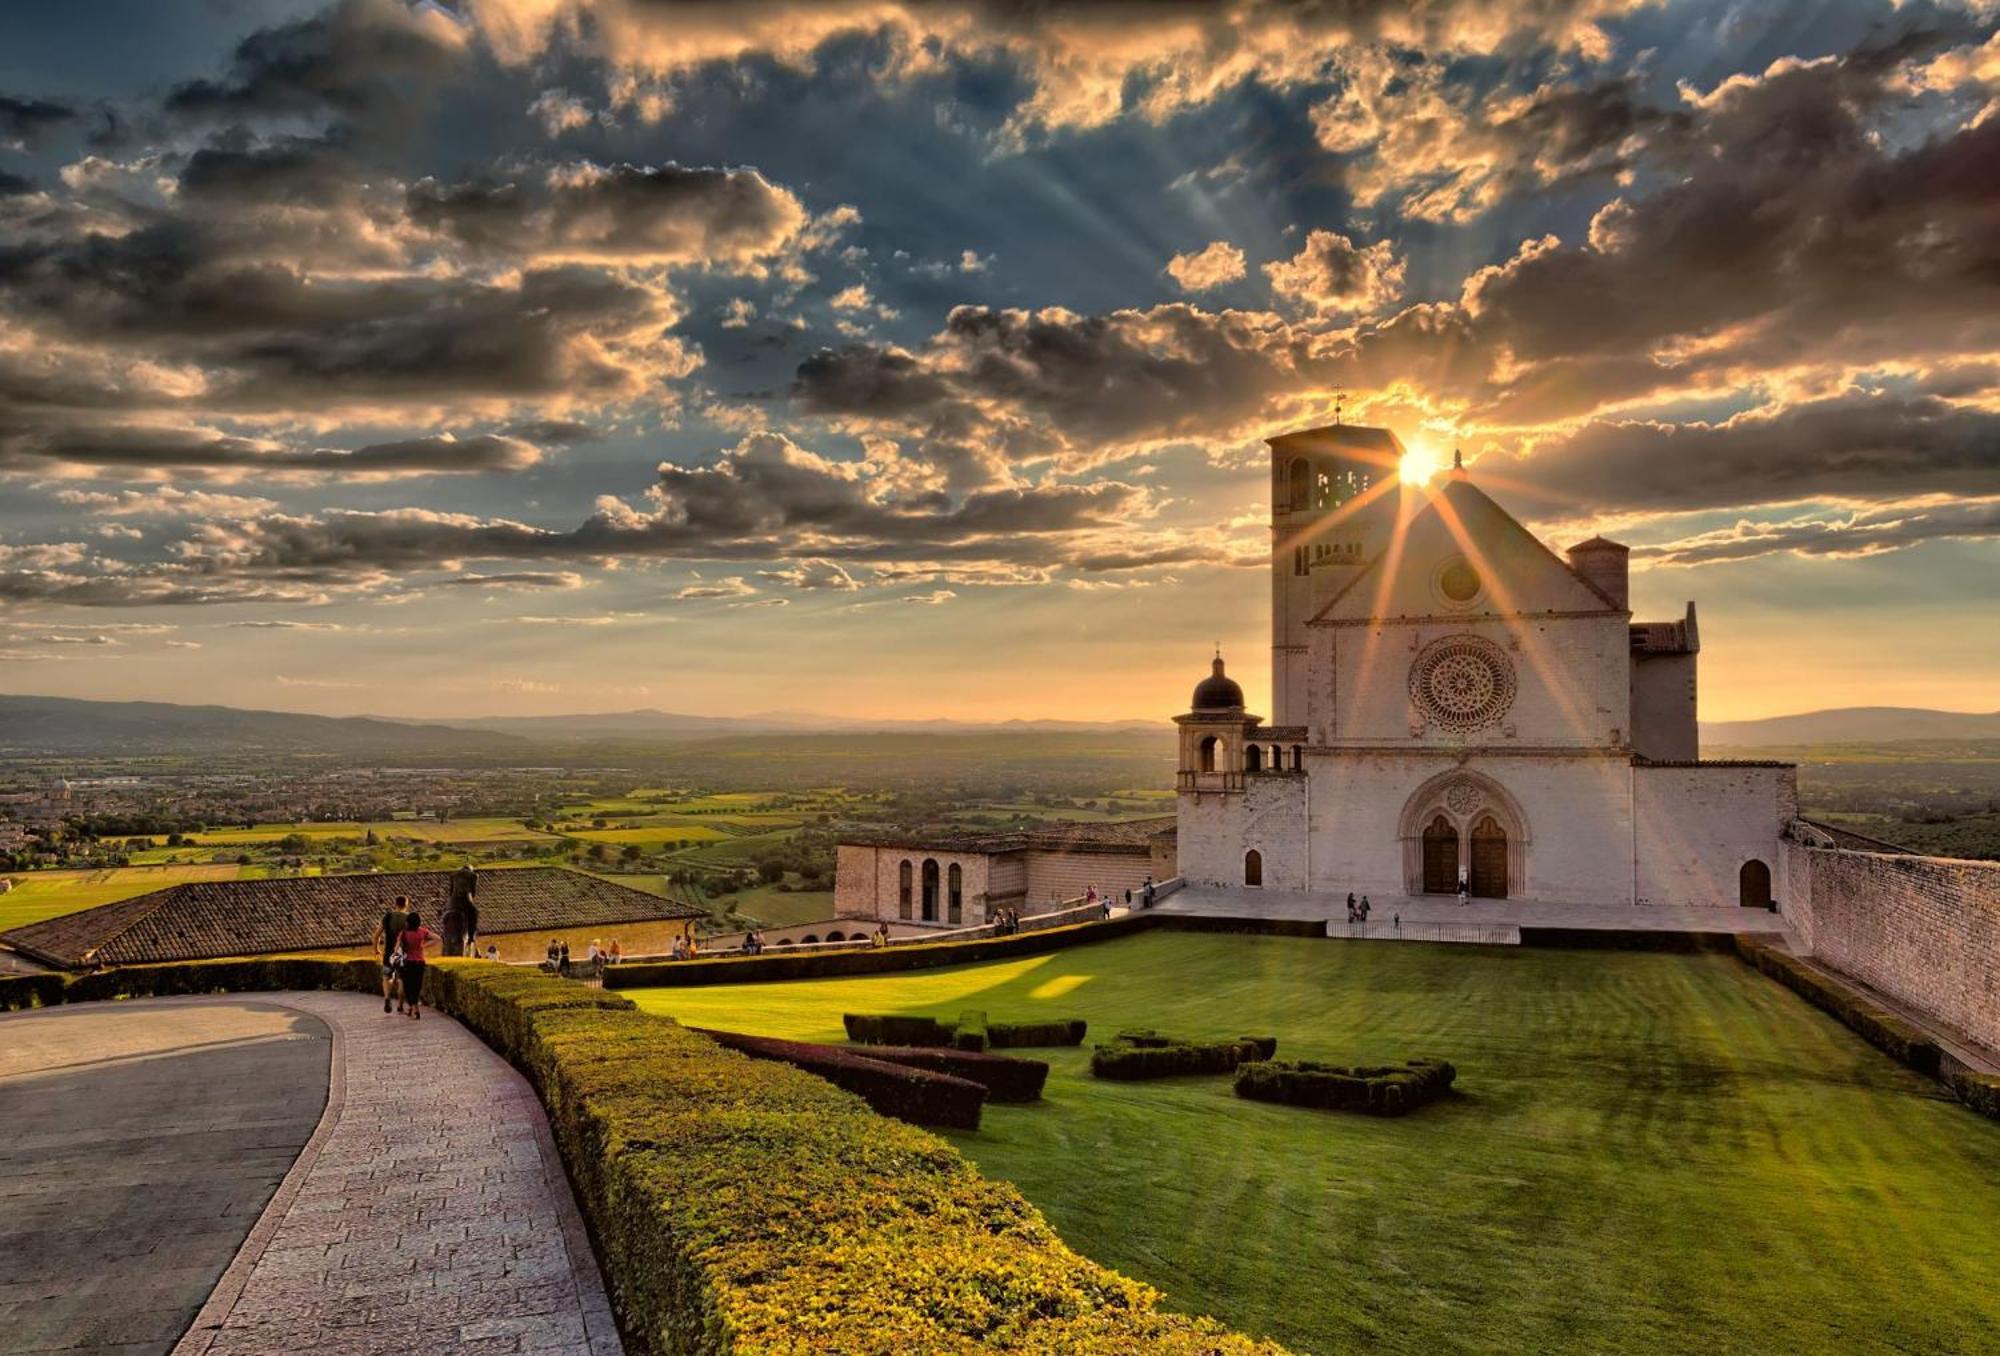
{"x": 1213, "y": 735}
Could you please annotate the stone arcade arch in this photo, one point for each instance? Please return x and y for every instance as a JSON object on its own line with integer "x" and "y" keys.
{"x": 1463, "y": 799}
{"x": 1253, "y": 759}
{"x": 1209, "y": 744}
{"x": 1753, "y": 885}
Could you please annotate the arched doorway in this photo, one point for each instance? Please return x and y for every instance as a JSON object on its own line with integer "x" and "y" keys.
{"x": 1253, "y": 867}
{"x": 1488, "y": 878}
{"x": 930, "y": 889}
{"x": 1440, "y": 857}
{"x": 1753, "y": 885}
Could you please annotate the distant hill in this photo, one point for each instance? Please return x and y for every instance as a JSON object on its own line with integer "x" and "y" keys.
{"x": 67, "y": 726}
{"x": 653, "y": 724}
{"x": 1852, "y": 725}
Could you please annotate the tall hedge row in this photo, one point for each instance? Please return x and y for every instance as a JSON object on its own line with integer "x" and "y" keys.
{"x": 743, "y": 1206}
{"x": 1899, "y": 1039}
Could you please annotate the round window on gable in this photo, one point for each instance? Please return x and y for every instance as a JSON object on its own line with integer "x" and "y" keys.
{"x": 1458, "y": 581}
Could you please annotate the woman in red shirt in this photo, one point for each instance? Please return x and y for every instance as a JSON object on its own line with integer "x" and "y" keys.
{"x": 412, "y": 941}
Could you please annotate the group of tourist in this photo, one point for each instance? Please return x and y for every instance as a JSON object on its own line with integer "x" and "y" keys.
{"x": 753, "y": 943}
{"x": 556, "y": 959}
{"x": 686, "y": 947}
{"x": 1357, "y": 911}
{"x": 1006, "y": 922}
{"x": 403, "y": 940}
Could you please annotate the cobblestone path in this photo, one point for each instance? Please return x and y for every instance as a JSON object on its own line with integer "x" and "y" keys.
{"x": 429, "y": 1213}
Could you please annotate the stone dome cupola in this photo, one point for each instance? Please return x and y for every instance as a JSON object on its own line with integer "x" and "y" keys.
{"x": 1217, "y": 692}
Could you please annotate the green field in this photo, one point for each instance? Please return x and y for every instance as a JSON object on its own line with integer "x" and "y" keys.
{"x": 47, "y": 894}
{"x": 651, "y": 836}
{"x": 422, "y": 830}
{"x": 1646, "y": 1152}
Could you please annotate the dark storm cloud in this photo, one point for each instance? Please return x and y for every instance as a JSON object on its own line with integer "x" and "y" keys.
{"x": 555, "y": 432}
{"x": 664, "y": 214}
{"x": 1863, "y": 533}
{"x": 1855, "y": 447}
{"x": 12, "y": 185}
{"x": 284, "y": 171}
{"x": 1068, "y": 381}
{"x": 362, "y": 60}
{"x": 160, "y": 447}
{"x": 767, "y": 498}
{"x": 24, "y": 122}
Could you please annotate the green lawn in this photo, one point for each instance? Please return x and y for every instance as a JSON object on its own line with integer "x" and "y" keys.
{"x": 1647, "y": 1152}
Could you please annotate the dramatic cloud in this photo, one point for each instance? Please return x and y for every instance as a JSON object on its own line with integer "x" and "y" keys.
{"x": 1333, "y": 276}
{"x": 1214, "y": 265}
{"x": 23, "y": 122}
{"x": 722, "y": 218}
{"x": 1866, "y": 533}
{"x": 149, "y": 448}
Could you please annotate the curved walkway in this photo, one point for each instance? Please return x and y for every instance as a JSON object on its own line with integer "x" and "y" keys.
{"x": 138, "y": 1144}
{"x": 429, "y": 1212}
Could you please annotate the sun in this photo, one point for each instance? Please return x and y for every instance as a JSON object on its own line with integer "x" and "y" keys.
{"x": 1417, "y": 466}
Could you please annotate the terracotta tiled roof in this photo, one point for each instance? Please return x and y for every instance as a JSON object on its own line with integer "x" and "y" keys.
{"x": 205, "y": 919}
{"x": 1127, "y": 835}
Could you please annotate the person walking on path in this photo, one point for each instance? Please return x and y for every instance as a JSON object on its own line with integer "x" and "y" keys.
{"x": 394, "y": 919}
{"x": 412, "y": 942}
{"x": 1464, "y": 889}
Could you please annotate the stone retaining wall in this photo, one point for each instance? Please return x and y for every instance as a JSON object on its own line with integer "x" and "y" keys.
{"x": 1923, "y": 930}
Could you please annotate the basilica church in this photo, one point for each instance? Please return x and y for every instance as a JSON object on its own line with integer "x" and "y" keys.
{"x": 1454, "y": 704}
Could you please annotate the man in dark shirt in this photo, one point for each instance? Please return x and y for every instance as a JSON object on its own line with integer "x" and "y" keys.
{"x": 395, "y": 920}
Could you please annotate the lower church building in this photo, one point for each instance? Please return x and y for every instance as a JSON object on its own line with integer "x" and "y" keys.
{"x": 1455, "y": 703}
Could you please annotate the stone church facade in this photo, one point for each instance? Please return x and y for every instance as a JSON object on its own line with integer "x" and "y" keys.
{"x": 1455, "y": 700}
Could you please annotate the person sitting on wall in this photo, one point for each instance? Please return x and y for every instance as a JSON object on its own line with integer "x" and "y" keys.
{"x": 881, "y": 937}
{"x": 552, "y": 960}
{"x": 614, "y": 953}
{"x": 562, "y": 961}
{"x": 680, "y": 951}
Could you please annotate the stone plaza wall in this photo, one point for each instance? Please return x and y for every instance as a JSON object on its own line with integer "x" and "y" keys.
{"x": 1054, "y": 876}
{"x": 1269, "y": 815}
{"x": 867, "y": 883}
{"x": 1923, "y": 930}
{"x": 1694, "y": 827}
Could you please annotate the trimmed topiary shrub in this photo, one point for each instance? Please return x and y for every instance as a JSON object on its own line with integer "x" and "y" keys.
{"x": 1901, "y": 1040}
{"x": 1133, "y": 1055}
{"x": 1378, "y": 1090}
{"x": 919, "y": 1096}
{"x": 1006, "y": 1078}
{"x": 1015, "y": 1035}
{"x": 970, "y": 1033}
{"x": 886, "y": 1029}
{"x": 1979, "y": 1091}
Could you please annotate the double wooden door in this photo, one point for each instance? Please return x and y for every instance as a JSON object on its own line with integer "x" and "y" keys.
{"x": 1489, "y": 859}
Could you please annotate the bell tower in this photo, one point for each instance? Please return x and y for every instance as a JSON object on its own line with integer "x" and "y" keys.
{"x": 1333, "y": 506}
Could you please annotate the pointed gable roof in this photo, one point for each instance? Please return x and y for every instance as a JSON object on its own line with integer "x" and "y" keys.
{"x": 1517, "y": 569}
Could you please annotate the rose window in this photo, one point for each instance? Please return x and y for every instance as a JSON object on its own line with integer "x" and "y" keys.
{"x": 1462, "y": 683}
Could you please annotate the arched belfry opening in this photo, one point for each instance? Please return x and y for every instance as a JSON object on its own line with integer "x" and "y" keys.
{"x": 1753, "y": 885}
{"x": 1209, "y": 745}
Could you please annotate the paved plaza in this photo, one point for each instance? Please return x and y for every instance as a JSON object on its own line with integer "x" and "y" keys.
{"x": 1423, "y": 916}
{"x": 142, "y": 1140}
{"x": 424, "y": 1210}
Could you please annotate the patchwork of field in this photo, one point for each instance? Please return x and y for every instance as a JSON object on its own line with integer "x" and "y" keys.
{"x": 49, "y": 894}
{"x": 1645, "y": 1152}
{"x": 420, "y": 830}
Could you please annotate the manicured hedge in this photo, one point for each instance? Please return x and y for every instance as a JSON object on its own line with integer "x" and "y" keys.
{"x": 970, "y": 1032}
{"x": 1627, "y": 939}
{"x": 1017, "y": 1035}
{"x": 1899, "y": 1039}
{"x": 919, "y": 1096}
{"x": 1979, "y": 1091}
{"x": 1133, "y": 1055}
{"x": 30, "y": 991}
{"x": 869, "y": 1028}
{"x": 887, "y": 1029}
{"x": 1378, "y": 1090}
{"x": 1006, "y": 1078}
{"x": 877, "y": 960}
{"x": 746, "y": 1206}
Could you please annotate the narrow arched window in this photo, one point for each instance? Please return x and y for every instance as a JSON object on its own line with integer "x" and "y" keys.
{"x": 1253, "y": 867}
{"x": 954, "y": 894}
{"x": 1298, "y": 759}
{"x": 903, "y": 876}
{"x": 930, "y": 890}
